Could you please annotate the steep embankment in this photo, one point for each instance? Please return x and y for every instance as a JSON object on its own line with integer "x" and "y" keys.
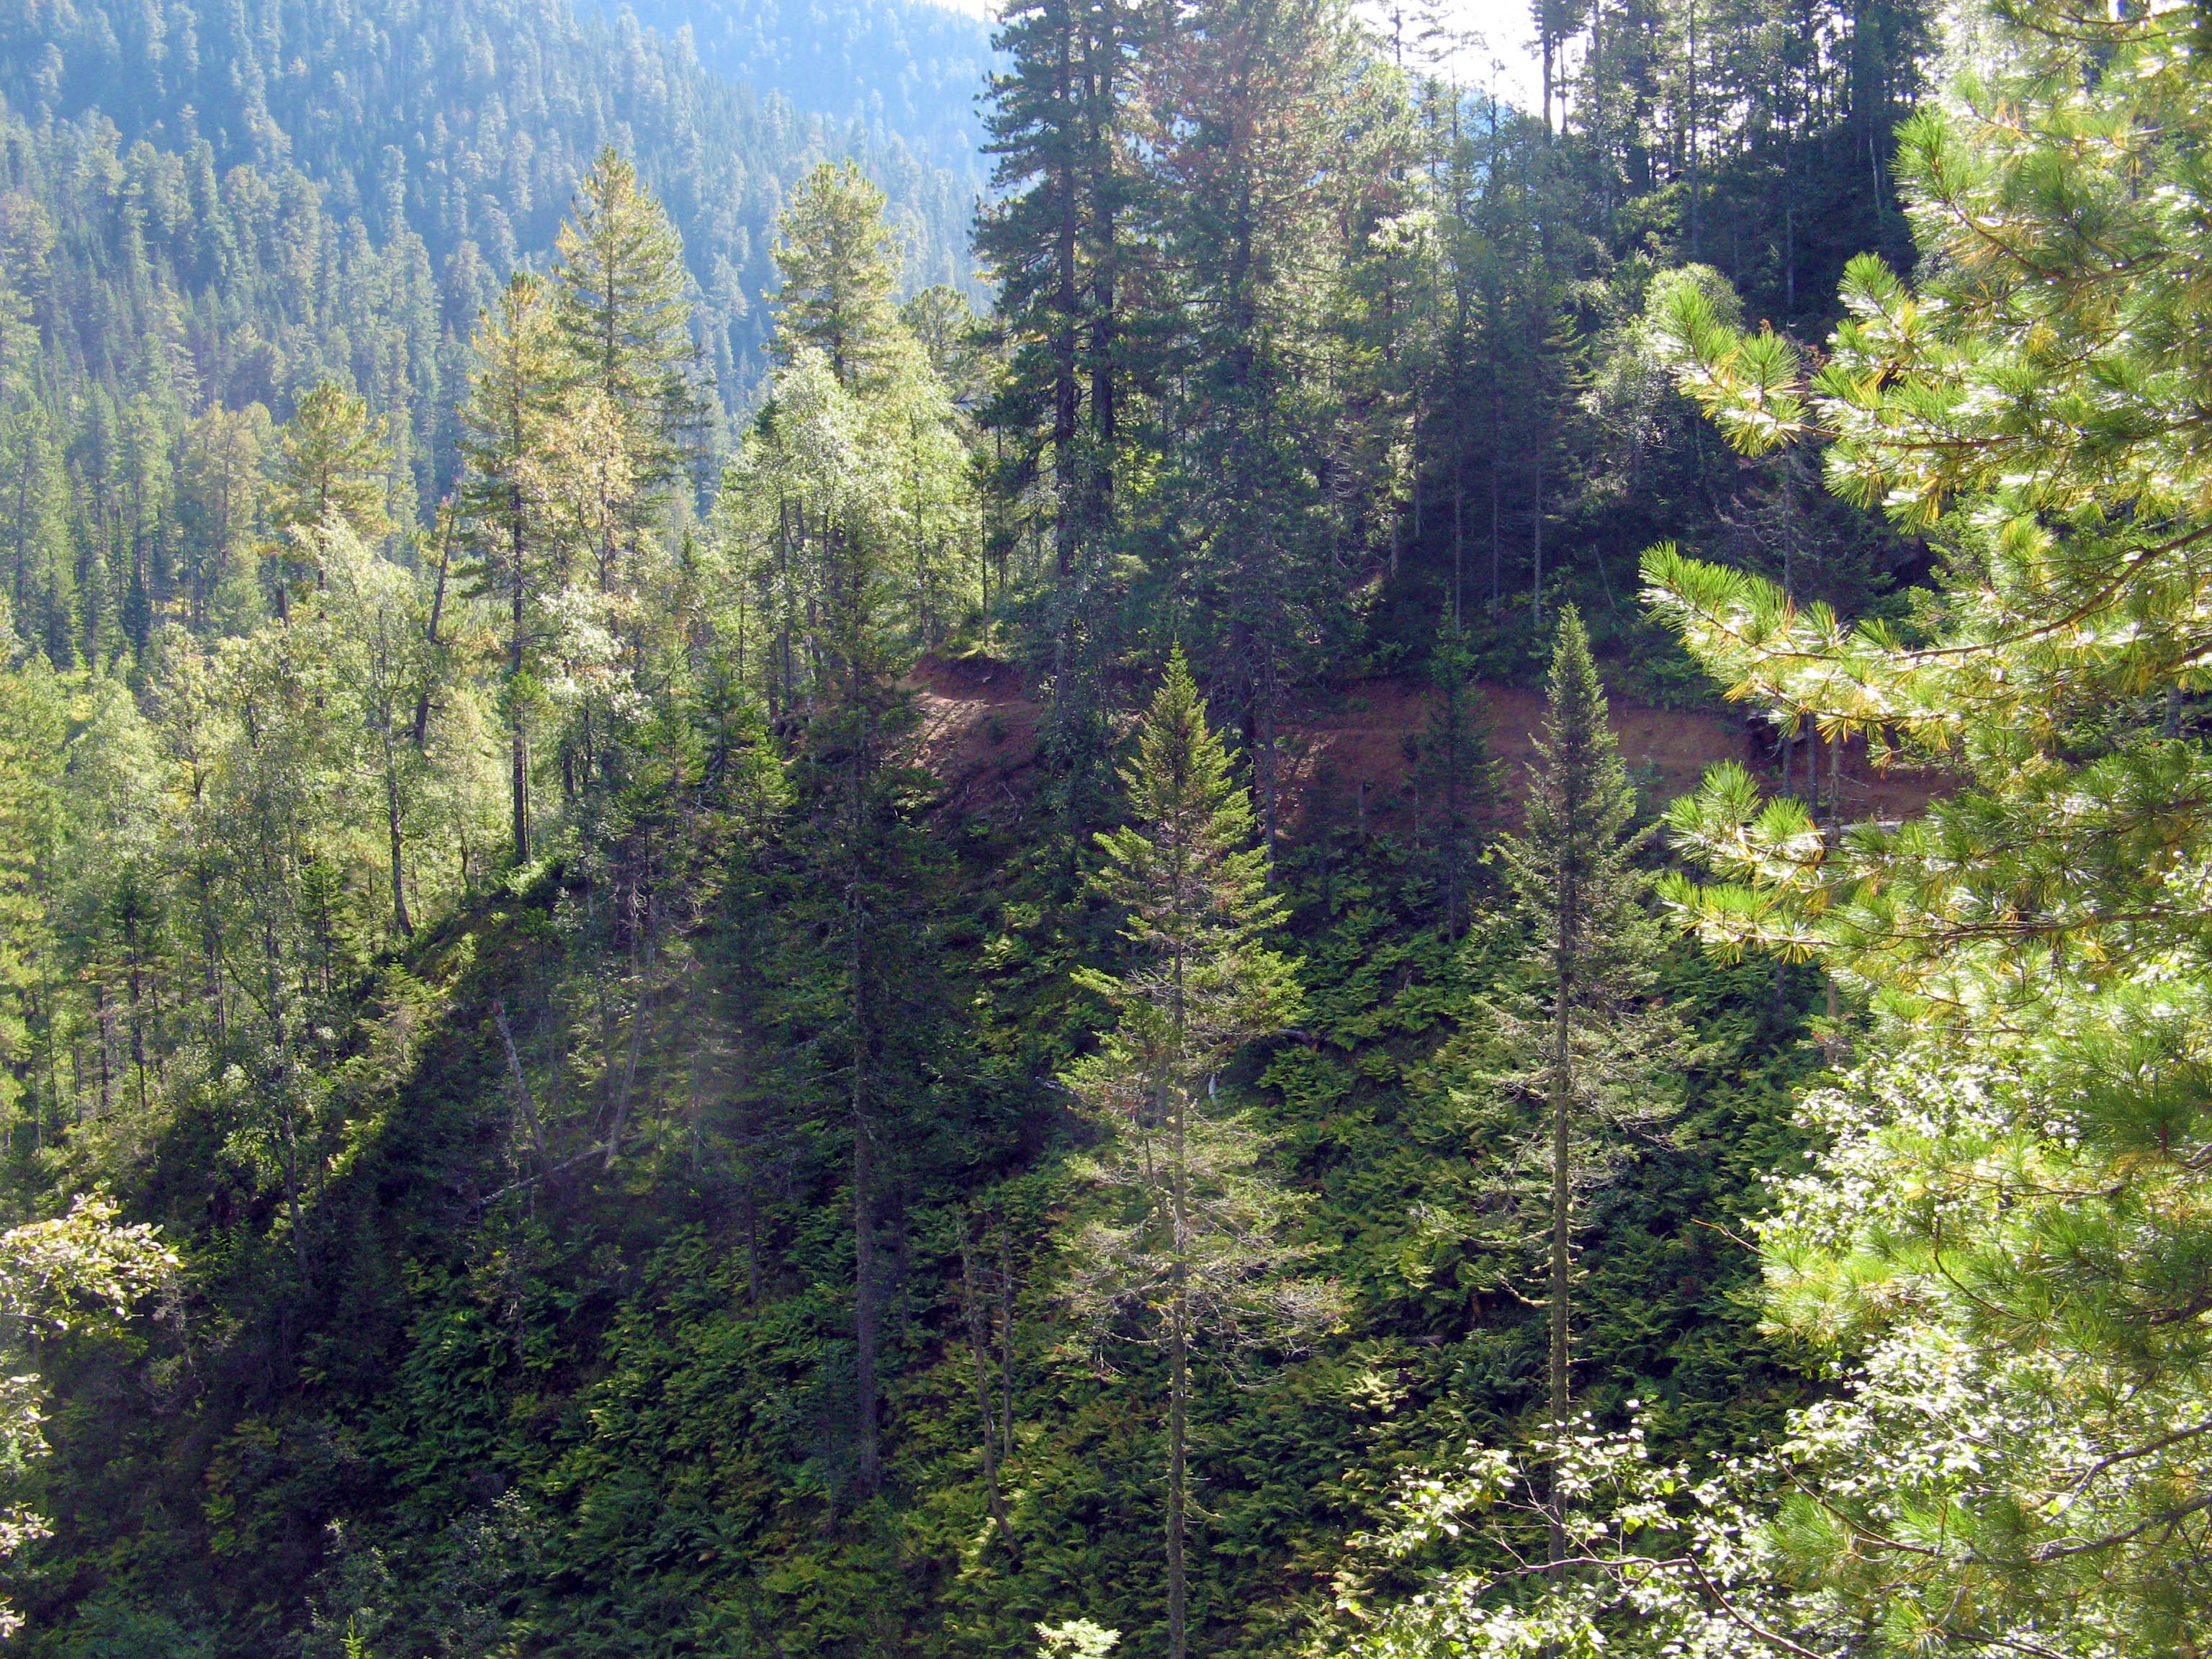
{"x": 1352, "y": 747}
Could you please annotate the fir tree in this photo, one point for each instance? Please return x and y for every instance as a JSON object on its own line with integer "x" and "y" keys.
{"x": 513, "y": 395}
{"x": 1057, "y": 238}
{"x": 1197, "y": 1252}
{"x": 620, "y": 290}
{"x": 1588, "y": 1046}
{"x": 1257, "y": 93}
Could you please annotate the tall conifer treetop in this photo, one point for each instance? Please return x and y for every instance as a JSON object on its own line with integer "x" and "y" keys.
{"x": 1581, "y": 1038}
{"x": 1191, "y": 887}
{"x": 332, "y": 460}
{"x": 623, "y": 310}
{"x": 839, "y": 264}
{"x": 1574, "y": 862}
{"x": 1199, "y": 1253}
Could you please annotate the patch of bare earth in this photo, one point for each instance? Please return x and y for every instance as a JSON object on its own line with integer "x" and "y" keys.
{"x": 977, "y": 731}
{"x": 1351, "y": 753}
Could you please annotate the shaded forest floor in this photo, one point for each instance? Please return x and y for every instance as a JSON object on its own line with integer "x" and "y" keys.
{"x": 1353, "y": 748}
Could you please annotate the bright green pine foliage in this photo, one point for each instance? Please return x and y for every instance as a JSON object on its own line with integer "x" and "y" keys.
{"x": 332, "y": 462}
{"x": 840, "y": 263}
{"x": 2007, "y": 1244}
{"x": 623, "y": 312}
{"x": 2036, "y": 407}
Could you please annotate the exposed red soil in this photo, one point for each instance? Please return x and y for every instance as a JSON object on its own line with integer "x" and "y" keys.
{"x": 1350, "y": 753}
{"x": 979, "y": 729}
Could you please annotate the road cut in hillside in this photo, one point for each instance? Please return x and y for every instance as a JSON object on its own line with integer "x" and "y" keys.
{"x": 1351, "y": 751}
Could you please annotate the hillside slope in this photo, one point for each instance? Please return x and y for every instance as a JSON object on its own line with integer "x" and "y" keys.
{"x": 464, "y": 125}
{"x": 899, "y": 67}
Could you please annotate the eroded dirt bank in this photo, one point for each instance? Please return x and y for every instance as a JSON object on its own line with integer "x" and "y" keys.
{"x": 1352, "y": 749}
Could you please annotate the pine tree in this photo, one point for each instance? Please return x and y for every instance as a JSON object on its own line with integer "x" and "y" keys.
{"x": 333, "y": 464}
{"x": 1198, "y": 1250}
{"x": 2007, "y": 1233}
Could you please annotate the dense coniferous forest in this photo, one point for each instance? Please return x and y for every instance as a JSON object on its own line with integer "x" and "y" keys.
{"x": 908, "y": 67}
{"x": 715, "y": 939}
{"x": 212, "y": 212}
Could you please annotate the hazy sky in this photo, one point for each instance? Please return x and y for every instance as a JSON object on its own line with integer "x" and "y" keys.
{"x": 1503, "y": 60}
{"x": 1499, "y": 54}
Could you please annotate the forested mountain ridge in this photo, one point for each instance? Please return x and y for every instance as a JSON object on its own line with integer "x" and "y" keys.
{"x": 626, "y": 1157}
{"x": 468, "y": 123}
{"x": 905, "y": 67}
{"x": 445, "y": 139}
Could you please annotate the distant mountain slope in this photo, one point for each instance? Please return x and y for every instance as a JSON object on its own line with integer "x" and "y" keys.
{"x": 901, "y": 66}
{"x": 466, "y": 123}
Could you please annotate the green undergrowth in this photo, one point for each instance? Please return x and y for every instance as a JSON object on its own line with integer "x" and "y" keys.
{"x": 607, "y": 1410}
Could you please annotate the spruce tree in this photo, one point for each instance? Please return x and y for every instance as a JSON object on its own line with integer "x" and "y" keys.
{"x": 1195, "y": 1250}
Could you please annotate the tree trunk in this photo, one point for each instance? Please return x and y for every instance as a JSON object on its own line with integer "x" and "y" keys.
{"x": 864, "y": 1312}
{"x": 638, "y": 1017}
{"x": 864, "y": 1319}
{"x": 1178, "y": 1404}
{"x": 1006, "y": 1346}
{"x": 1568, "y": 944}
{"x": 979, "y": 1346}
{"x": 518, "y": 1082}
{"x": 421, "y": 733}
{"x": 520, "y": 782}
{"x": 1536, "y": 551}
{"x": 1178, "y": 1336}
{"x": 400, "y": 917}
